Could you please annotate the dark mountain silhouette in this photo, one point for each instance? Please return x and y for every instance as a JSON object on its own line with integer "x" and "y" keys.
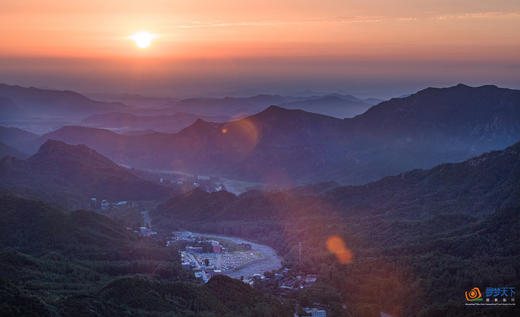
{"x": 146, "y": 151}
{"x": 227, "y": 106}
{"x": 9, "y": 110}
{"x": 144, "y": 103}
{"x": 90, "y": 264}
{"x": 333, "y": 104}
{"x": 432, "y": 126}
{"x": 124, "y": 122}
{"x": 60, "y": 172}
{"x": 34, "y": 227}
{"x": 285, "y": 146}
{"x": 272, "y": 137}
{"x": 336, "y": 105}
{"x": 16, "y": 138}
{"x": 476, "y": 187}
{"x": 45, "y": 102}
{"x": 6, "y": 150}
{"x": 485, "y": 114}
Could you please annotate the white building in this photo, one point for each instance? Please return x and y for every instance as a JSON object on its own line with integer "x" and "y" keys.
{"x": 315, "y": 312}
{"x": 105, "y": 204}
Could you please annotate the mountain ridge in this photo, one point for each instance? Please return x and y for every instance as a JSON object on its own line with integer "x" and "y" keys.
{"x": 74, "y": 174}
{"x": 476, "y": 187}
{"x": 49, "y": 102}
{"x": 419, "y": 131}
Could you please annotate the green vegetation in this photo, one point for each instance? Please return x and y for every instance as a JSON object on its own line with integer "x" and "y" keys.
{"x": 84, "y": 264}
{"x": 403, "y": 269}
{"x": 419, "y": 240}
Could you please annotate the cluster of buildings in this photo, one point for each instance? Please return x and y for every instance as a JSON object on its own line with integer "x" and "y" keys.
{"x": 314, "y": 312}
{"x": 201, "y": 268}
{"x": 182, "y": 235}
{"x": 146, "y": 232}
{"x": 211, "y": 259}
{"x": 296, "y": 282}
{"x": 200, "y": 255}
{"x": 208, "y": 257}
{"x": 286, "y": 282}
{"x": 103, "y": 204}
{"x": 199, "y": 245}
{"x": 143, "y": 231}
{"x": 216, "y": 247}
{"x": 207, "y": 183}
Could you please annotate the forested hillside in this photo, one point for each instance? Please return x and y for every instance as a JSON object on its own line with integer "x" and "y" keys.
{"x": 79, "y": 263}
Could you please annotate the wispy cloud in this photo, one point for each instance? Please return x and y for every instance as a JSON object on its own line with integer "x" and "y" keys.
{"x": 353, "y": 20}
{"x": 197, "y": 24}
{"x": 221, "y": 24}
{"x": 480, "y": 15}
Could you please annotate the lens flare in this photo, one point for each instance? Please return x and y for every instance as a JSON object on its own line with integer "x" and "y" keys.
{"x": 337, "y": 246}
{"x": 241, "y": 137}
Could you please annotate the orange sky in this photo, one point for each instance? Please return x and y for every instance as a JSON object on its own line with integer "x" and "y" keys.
{"x": 397, "y": 30}
{"x": 250, "y": 28}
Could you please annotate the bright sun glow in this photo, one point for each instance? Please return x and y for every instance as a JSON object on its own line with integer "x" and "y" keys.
{"x": 143, "y": 39}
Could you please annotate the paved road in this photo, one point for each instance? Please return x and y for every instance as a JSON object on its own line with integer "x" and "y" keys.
{"x": 197, "y": 265}
{"x": 146, "y": 218}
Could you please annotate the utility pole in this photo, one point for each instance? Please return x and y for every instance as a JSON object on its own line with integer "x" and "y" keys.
{"x": 300, "y": 253}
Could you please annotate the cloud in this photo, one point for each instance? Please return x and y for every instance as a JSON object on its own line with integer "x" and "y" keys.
{"x": 220, "y": 24}
{"x": 480, "y": 15}
{"x": 198, "y": 24}
{"x": 354, "y": 19}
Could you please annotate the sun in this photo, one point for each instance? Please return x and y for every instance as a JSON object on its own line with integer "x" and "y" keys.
{"x": 143, "y": 39}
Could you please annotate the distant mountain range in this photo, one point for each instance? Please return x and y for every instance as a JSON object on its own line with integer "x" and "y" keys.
{"x": 69, "y": 174}
{"x": 336, "y": 105}
{"x": 292, "y": 147}
{"x": 15, "y": 137}
{"x": 43, "y": 110}
{"x": 222, "y": 110}
{"x": 6, "y": 150}
{"x": 20, "y": 102}
{"x": 476, "y": 187}
{"x": 129, "y": 123}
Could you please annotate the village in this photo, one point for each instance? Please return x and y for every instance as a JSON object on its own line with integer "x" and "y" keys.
{"x": 207, "y": 256}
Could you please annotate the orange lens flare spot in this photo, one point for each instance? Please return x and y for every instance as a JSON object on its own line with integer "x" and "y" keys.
{"x": 337, "y": 246}
{"x": 224, "y": 130}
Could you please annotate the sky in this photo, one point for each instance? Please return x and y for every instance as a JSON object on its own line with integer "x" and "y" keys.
{"x": 203, "y": 48}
